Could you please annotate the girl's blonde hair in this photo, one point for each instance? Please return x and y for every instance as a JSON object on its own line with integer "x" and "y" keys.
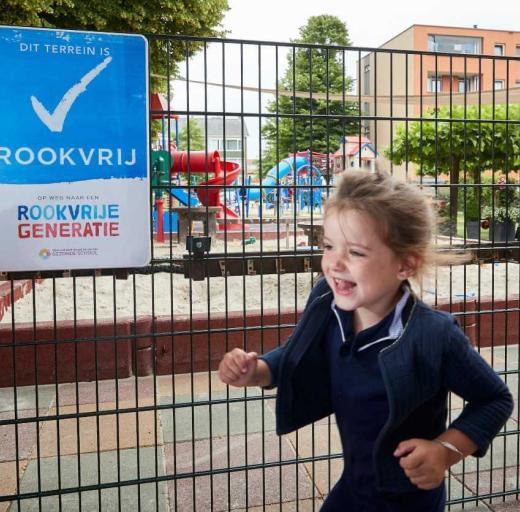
{"x": 405, "y": 220}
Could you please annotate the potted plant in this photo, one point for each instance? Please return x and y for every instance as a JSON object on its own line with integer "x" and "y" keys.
{"x": 446, "y": 225}
{"x": 501, "y": 221}
{"x": 471, "y": 200}
{"x": 503, "y": 213}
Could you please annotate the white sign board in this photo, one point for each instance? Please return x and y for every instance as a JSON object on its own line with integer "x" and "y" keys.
{"x": 74, "y": 186}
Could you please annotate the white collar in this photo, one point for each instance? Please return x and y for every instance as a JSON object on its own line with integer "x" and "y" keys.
{"x": 396, "y": 327}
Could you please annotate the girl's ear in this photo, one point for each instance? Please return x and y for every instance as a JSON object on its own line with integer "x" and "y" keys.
{"x": 409, "y": 266}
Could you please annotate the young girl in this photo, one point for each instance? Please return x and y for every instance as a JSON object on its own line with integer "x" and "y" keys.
{"x": 369, "y": 351}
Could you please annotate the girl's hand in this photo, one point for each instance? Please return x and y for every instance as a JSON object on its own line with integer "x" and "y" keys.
{"x": 238, "y": 368}
{"x": 424, "y": 462}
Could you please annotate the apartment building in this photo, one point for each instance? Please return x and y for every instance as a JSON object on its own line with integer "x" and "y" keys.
{"x": 483, "y": 67}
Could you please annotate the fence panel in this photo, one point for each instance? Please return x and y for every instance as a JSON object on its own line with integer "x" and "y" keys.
{"x": 109, "y": 397}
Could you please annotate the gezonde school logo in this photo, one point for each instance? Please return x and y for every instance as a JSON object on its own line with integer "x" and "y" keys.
{"x": 44, "y": 253}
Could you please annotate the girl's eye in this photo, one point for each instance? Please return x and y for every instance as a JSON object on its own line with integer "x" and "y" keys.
{"x": 327, "y": 247}
{"x": 356, "y": 253}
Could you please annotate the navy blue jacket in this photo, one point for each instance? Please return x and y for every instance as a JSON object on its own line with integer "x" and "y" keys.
{"x": 430, "y": 358}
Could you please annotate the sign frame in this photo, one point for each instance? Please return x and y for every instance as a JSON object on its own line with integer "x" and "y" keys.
{"x": 74, "y": 150}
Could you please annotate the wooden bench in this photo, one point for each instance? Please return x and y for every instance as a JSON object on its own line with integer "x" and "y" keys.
{"x": 313, "y": 231}
{"x": 186, "y": 215}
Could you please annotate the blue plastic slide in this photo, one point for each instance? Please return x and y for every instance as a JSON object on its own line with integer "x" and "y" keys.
{"x": 183, "y": 197}
{"x": 277, "y": 173}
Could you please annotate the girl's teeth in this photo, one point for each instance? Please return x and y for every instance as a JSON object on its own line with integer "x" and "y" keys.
{"x": 343, "y": 285}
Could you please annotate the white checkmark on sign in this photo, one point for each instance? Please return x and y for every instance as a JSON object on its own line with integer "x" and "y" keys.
{"x": 54, "y": 122}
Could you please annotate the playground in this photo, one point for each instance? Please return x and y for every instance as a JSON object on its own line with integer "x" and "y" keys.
{"x": 243, "y": 210}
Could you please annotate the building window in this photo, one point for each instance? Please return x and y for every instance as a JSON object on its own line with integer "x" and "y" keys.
{"x": 434, "y": 84}
{"x": 469, "y": 84}
{"x": 233, "y": 145}
{"x": 454, "y": 44}
{"x": 473, "y": 83}
{"x": 366, "y": 79}
{"x": 499, "y": 49}
{"x": 517, "y": 83}
{"x": 365, "y": 123}
{"x": 499, "y": 84}
{"x": 517, "y": 50}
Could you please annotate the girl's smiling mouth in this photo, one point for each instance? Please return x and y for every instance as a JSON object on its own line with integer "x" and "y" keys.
{"x": 343, "y": 286}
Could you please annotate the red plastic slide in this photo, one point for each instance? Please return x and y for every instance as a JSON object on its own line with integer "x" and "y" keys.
{"x": 208, "y": 192}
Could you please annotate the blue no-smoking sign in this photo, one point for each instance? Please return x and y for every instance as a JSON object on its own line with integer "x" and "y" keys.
{"x": 74, "y": 189}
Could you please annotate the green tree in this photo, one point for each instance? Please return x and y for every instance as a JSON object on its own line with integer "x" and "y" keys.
{"x": 196, "y": 137}
{"x": 186, "y": 17}
{"x": 312, "y": 70}
{"x": 461, "y": 142}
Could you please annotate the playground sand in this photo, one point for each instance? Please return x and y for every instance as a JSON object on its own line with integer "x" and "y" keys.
{"x": 165, "y": 294}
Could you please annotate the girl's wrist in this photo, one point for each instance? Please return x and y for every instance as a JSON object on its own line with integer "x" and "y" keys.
{"x": 262, "y": 374}
{"x": 454, "y": 454}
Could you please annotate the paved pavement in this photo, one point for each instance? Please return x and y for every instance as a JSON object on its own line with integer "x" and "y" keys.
{"x": 189, "y": 439}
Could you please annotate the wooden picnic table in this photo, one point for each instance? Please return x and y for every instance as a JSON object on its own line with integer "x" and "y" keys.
{"x": 313, "y": 230}
{"x": 187, "y": 215}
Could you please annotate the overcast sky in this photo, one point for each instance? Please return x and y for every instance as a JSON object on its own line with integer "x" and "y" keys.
{"x": 370, "y": 23}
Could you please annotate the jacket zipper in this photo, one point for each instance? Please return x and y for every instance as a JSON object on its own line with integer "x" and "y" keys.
{"x": 384, "y": 430}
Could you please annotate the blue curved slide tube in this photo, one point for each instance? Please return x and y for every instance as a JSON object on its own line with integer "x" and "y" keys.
{"x": 276, "y": 173}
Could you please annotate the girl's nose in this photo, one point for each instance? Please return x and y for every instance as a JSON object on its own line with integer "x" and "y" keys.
{"x": 339, "y": 262}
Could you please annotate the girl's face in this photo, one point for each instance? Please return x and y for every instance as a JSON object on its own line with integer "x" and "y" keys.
{"x": 363, "y": 272}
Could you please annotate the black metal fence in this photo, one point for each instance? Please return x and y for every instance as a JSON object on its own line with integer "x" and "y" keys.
{"x": 109, "y": 396}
